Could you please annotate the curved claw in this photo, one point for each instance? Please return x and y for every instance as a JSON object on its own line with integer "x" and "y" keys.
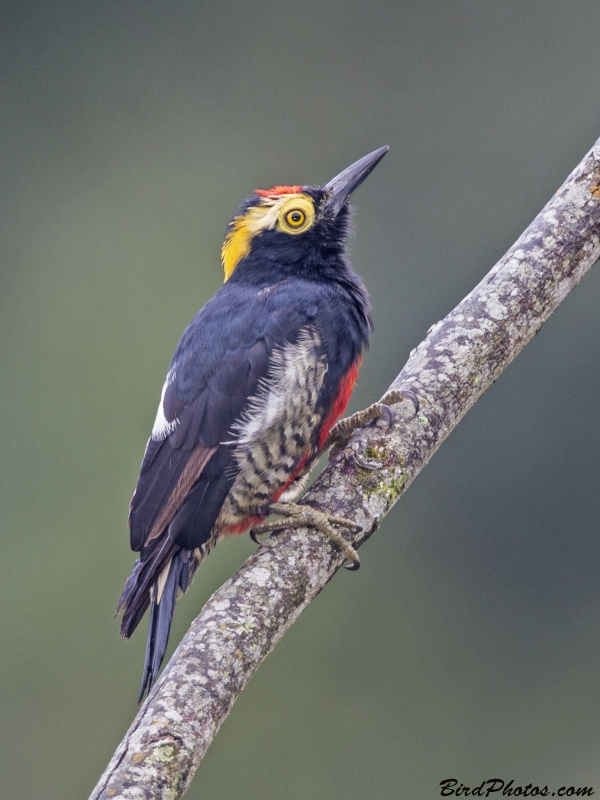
{"x": 387, "y": 415}
{"x": 254, "y": 536}
{"x": 408, "y": 394}
{"x": 353, "y": 566}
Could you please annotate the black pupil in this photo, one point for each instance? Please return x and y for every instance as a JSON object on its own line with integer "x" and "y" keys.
{"x": 296, "y": 217}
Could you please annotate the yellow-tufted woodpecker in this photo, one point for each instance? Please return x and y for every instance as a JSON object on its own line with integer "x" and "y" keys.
{"x": 257, "y": 382}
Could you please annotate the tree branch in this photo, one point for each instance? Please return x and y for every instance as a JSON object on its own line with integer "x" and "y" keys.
{"x": 461, "y": 356}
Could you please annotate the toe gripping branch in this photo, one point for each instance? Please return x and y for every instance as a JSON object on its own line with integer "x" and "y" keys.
{"x": 343, "y": 430}
{"x": 306, "y": 516}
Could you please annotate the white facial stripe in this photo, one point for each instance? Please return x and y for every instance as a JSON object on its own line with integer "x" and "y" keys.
{"x": 162, "y": 428}
{"x": 264, "y": 216}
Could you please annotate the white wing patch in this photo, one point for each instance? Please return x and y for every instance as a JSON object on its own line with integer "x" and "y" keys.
{"x": 162, "y": 427}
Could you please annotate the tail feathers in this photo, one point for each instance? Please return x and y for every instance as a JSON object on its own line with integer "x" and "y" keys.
{"x": 155, "y": 582}
{"x": 161, "y": 615}
{"x": 137, "y": 592}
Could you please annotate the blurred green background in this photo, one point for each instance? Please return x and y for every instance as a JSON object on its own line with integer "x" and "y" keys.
{"x": 468, "y": 645}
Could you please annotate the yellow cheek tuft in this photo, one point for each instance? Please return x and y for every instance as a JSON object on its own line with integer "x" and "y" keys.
{"x": 235, "y": 247}
{"x": 265, "y": 216}
{"x": 241, "y": 232}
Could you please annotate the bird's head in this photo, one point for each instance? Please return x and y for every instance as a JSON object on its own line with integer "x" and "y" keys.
{"x": 294, "y": 227}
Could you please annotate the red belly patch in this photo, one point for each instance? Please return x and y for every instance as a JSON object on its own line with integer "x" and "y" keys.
{"x": 341, "y": 401}
{"x": 250, "y": 522}
{"x": 241, "y": 527}
{"x": 300, "y": 466}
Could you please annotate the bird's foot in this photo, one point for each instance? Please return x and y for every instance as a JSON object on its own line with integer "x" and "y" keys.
{"x": 343, "y": 430}
{"x": 310, "y": 517}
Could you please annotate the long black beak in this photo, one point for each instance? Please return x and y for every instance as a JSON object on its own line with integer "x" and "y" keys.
{"x": 342, "y": 186}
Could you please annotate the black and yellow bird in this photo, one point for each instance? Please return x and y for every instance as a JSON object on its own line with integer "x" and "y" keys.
{"x": 257, "y": 382}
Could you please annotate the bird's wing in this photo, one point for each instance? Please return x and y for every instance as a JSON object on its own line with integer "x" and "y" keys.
{"x": 188, "y": 466}
{"x": 217, "y": 367}
{"x": 219, "y": 388}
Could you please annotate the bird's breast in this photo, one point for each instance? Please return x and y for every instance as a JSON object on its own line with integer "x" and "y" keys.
{"x": 276, "y": 436}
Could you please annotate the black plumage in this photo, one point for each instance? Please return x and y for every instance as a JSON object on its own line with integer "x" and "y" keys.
{"x": 291, "y": 319}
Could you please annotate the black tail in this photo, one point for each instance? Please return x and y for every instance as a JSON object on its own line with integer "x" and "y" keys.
{"x": 142, "y": 590}
{"x": 161, "y": 616}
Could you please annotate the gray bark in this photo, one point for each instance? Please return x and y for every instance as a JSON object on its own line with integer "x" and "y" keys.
{"x": 460, "y": 357}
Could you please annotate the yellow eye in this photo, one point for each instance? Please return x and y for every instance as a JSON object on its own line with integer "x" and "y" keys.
{"x": 295, "y": 218}
{"x": 296, "y": 214}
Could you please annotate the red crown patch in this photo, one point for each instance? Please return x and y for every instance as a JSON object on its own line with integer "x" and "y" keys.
{"x": 277, "y": 190}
